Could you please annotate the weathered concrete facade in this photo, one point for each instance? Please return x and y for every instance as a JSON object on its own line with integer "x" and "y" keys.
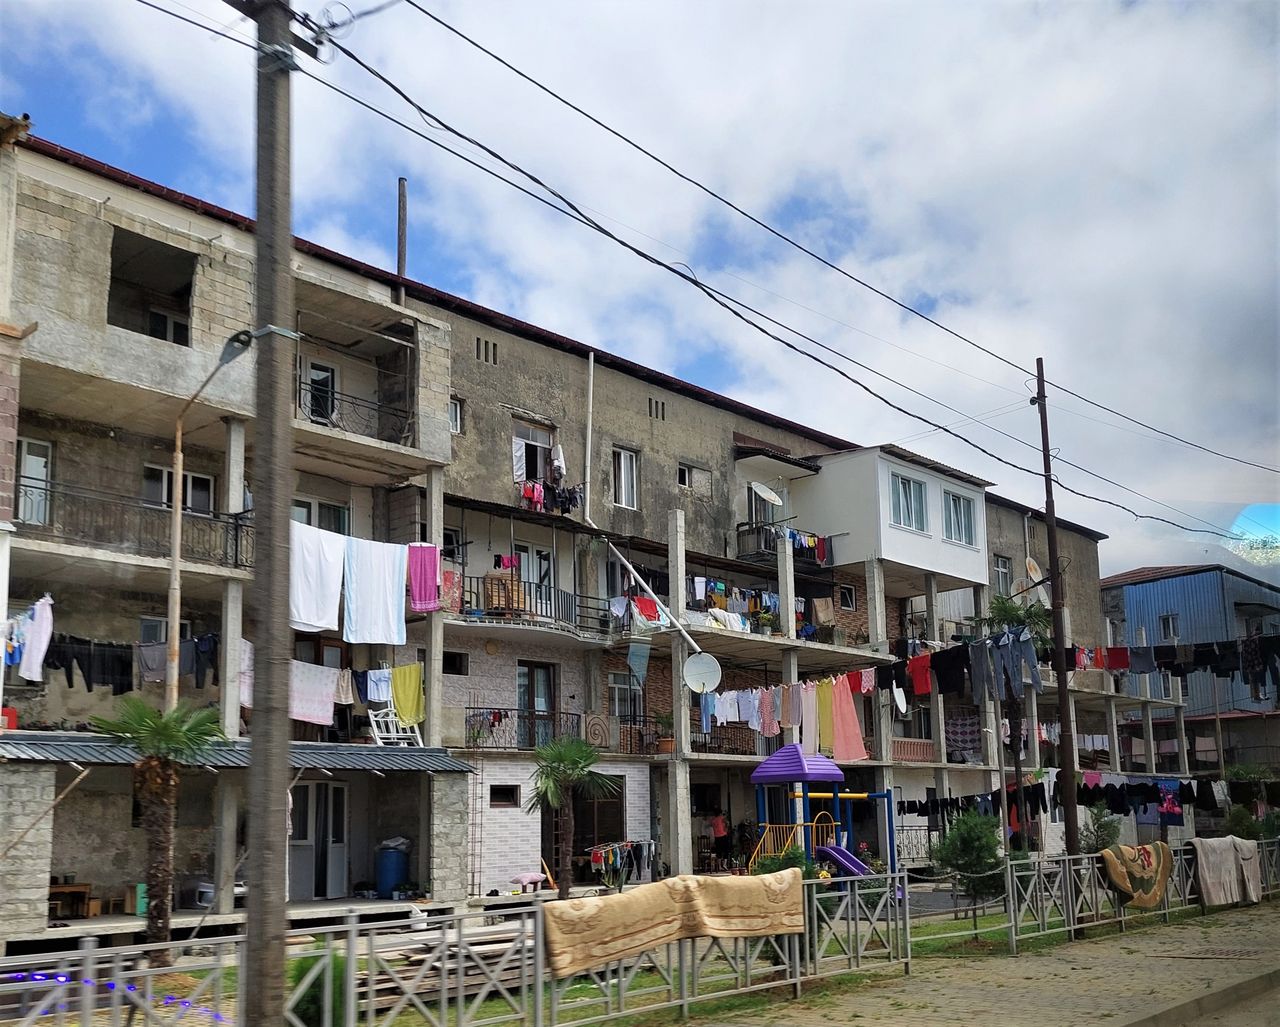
{"x": 26, "y": 792}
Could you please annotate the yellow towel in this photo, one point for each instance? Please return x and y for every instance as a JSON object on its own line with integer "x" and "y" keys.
{"x": 826, "y": 715}
{"x": 406, "y": 693}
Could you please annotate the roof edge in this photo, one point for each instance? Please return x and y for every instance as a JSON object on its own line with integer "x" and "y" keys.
{"x": 1013, "y": 504}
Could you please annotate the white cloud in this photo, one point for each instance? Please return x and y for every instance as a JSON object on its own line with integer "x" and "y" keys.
{"x": 1093, "y": 183}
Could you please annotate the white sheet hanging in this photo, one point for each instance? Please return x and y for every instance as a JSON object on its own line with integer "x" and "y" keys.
{"x": 374, "y": 591}
{"x": 316, "y": 557}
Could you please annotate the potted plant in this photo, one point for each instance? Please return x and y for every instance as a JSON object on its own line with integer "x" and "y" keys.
{"x": 767, "y": 624}
{"x": 666, "y": 732}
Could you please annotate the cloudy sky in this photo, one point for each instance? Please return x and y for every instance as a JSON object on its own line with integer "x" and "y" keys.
{"x": 1093, "y": 183}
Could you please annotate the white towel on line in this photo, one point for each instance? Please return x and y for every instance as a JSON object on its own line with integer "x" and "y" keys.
{"x": 316, "y": 557}
{"x": 374, "y": 590}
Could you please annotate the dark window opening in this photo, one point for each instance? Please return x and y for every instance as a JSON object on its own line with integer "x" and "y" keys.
{"x": 504, "y": 796}
{"x": 150, "y": 289}
{"x": 458, "y": 664}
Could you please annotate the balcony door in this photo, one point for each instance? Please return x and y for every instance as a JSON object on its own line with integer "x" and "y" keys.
{"x": 536, "y": 703}
{"x": 35, "y": 461}
{"x": 537, "y": 571}
{"x": 320, "y": 394}
{"x": 318, "y": 841}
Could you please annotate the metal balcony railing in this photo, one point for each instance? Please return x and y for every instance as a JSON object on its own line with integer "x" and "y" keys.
{"x": 726, "y": 740}
{"x": 490, "y": 727}
{"x": 58, "y": 512}
{"x": 507, "y": 595}
{"x": 638, "y": 736}
{"x": 333, "y": 409}
{"x": 759, "y": 543}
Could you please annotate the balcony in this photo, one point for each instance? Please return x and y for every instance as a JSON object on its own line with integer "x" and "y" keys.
{"x": 726, "y": 740}
{"x": 913, "y": 750}
{"x": 56, "y": 512}
{"x": 758, "y": 543}
{"x": 328, "y": 408}
{"x": 507, "y": 597}
{"x": 488, "y": 727}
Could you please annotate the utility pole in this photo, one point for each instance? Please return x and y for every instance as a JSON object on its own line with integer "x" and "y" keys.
{"x": 274, "y": 308}
{"x": 1067, "y": 745}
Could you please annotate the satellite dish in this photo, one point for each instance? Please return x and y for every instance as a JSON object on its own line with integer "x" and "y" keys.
{"x": 765, "y": 493}
{"x": 900, "y": 698}
{"x": 702, "y": 672}
{"x": 1036, "y": 574}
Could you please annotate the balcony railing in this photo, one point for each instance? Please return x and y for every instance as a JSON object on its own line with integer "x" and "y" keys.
{"x": 489, "y": 727}
{"x": 508, "y": 596}
{"x": 333, "y": 409}
{"x": 726, "y": 740}
{"x": 638, "y": 736}
{"x": 915, "y": 844}
{"x": 913, "y": 750}
{"x": 57, "y": 512}
{"x": 759, "y": 543}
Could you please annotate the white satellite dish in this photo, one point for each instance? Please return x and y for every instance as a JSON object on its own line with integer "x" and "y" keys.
{"x": 1036, "y": 574}
{"x": 765, "y": 493}
{"x": 900, "y": 698}
{"x": 702, "y": 672}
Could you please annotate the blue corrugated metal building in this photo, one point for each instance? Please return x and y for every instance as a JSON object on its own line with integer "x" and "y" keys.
{"x": 1202, "y": 603}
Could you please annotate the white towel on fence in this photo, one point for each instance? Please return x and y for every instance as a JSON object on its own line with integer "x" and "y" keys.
{"x": 316, "y": 557}
{"x": 374, "y": 590}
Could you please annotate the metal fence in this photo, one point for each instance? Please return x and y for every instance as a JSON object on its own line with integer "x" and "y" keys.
{"x": 494, "y": 727}
{"x": 472, "y": 969}
{"x": 324, "y": 406}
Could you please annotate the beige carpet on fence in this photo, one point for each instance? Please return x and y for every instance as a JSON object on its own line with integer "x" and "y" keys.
{"x": 1139, "y": 872}
{"x": 582, "y": 933}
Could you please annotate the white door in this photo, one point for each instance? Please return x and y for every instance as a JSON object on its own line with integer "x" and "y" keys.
{"x": 337, "y": 827}
{"x": 538, "y": 574}
{"x": 34, "y": 462}
{"x": 320, "y": 393}
{"x": 302, "y": 843}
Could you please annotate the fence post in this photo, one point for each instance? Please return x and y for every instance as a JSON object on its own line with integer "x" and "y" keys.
{"x": 87, "y": 987}
{"x": 793, "y": 947}
{"x": 906, "y": 918}
{"x": 539, "y": 968}
{"x": 1069, "y": 895}
{"x": 684, "y": 976}
{"x": 351, "y": 958}
{"x": 1011, "y": 904}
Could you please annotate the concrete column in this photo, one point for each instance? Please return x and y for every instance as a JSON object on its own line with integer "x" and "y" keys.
{"x": 884, "y": 784}
{"x": 1113, "y": 735}
{"x": 884, "y": 724}
{"x": 431, "y": 510}
{"x": 233, "y": 479}
{"x": 226, "y": 818}
{"x": 791, "y": 675}
{"x": 877, "y": 628}
{"x": 990, "y": 733}
{"x": 676, "y": 562}
{"x": 1180, "y": 726}
{"x": 787, "y": 587}
{"x": 679, "y": 808}
{"x": 1068, "y": 760}
{"x": 1149, "y": 737}
{"x": 932, "y": 626}
{"x": 1031, "y": 716}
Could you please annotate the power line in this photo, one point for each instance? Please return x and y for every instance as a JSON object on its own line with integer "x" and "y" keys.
{"x": 782, "y": 236}
{"x": 723, "y": 300}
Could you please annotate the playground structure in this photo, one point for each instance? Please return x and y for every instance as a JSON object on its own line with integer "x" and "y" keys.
{"x": 824, "y": 834}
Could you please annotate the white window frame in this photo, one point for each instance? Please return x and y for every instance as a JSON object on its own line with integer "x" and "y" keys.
{"x": 1169, "y": 620}
{"x": 187, "y": 478}
{"x": 450, "y": 544}
{"x": 1002, "y": 571}
{"x": 626, "y": 478}
{"x": 538, "y": 441}
{"x": 159, "y": 629}
{"x": 313, "y": 505}
{"x": 38, "y": 509}
{"x": 852, "y": 594}
{"x": 455, "y": 416}
{"x": 685, "y": 472}
{"x": 953, "y": 504}
{"x": 623, "y": 683}
{"x": 171, "y": 319}
{"x": 1165, "y": 678}
{"x": 903, "y": 502}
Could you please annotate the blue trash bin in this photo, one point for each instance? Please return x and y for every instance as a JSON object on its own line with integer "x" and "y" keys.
{"x": 392, "y": 869}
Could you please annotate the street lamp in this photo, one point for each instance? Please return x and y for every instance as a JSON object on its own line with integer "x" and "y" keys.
{"x": 233, "y": 347}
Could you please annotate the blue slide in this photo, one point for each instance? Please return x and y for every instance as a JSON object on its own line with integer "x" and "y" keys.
{"x": 844, "y": 859}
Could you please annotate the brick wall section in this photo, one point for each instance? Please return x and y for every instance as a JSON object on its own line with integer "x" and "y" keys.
{"x": 852, "y": 622}
{"x": 26, "y": 790}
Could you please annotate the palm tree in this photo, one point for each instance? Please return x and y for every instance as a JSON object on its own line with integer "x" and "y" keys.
{"x": 163, "y": 741}
{"x": 565, "y": 768}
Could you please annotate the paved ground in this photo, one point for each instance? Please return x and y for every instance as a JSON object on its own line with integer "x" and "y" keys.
{"x": 1263, "y": 1011}
{"x": 1117, "y": 980}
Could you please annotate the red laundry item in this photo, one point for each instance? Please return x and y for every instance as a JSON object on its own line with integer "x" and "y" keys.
{"x": 1118, "y": 657}
{"x": 1100, "y": 658}
{"x": 647, "y": 607}
{"x": 918, "y": 671}
{"x": 1081, "y": 659}
{"x": 822, "y": 549}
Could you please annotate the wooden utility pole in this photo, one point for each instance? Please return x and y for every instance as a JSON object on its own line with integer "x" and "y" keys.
{"x": 274, "y": 309}
{"x": 1067, "y": 745}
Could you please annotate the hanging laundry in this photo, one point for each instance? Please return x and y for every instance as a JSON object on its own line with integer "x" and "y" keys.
{"x": 847, "y": 744}
{"x": 769, "y": 712}
{"x": 809, "y": 718}
{"x": 918, "y": 671}
{"x": 949, "y": 666}
{"x": 344, "y": 694}
{"x": 749, "y": 708}
{"x": 451, "y": 592}
{"x": 1142, "y": 659}
{"x": 316, "y": 557}
{"x": 638, "y": 659}
{"x": 826, "y": 715}
{"x": 379, "y": 681}
{"x": 152, "y": 658}
{"x": 518, "y": 460}
{"x": 311, "y": 691}
{"x": 406, "y": 693}
{"x": 373, "y": 592}
{"x": 981, "y": 677}
{"x": 1117, "y": 658}
{"x": 785, "y": 716}
{"x": 824, "y": 611}
{"x": 206, "y": 646}
{"x": 706, "y": 707}
{"x": 36, "y": 640}
{"x": 424, "y": 578}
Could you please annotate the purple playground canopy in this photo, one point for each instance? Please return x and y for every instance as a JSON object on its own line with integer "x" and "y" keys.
{"x": 789, "y": 765}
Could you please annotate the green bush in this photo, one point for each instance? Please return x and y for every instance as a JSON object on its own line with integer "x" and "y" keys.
{"x": 1101, "y": 831}
{"x": 971, "y": 851}
{"x": 1271, "y": 824}
{"x": 310, "y": 1007}
{"x": 793, "y": 857}
{"x": 1241, "y": 823}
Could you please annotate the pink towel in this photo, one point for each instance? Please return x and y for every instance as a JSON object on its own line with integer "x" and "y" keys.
{"x": 424, "y": 579}
{"x": 848, "y": 746}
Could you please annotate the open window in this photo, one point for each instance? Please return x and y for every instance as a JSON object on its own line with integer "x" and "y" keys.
{"x": 150, "y": 289}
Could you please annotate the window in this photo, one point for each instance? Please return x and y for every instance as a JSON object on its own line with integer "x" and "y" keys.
{"x": 532, "y": 462}
{"x": 658, "y": 409}
{"x": 1004, "y": 575}
{"x": 451, "y": 539}
{"x": 35, "y": 461}
{"x": 626, "y": 696}
{"x": 908, "y": 503}
{"x": 455, "y": 416}
{"x": 1168, "y": 627}
{"x": 156, "y": 629}
{"x": 848, "y": 597}
{"x": 626, "y": 465}
{"x": 684, "y": 476}
{"x": 197, "y": 490}
{"x": 319, "y": 398}
{"x": 504, "y": 796}
{"x": 1114, "y": 632}
{"x": 319, "y": 514}
{"x": 170, "y": 327}
{"x": 457, "y": 664}
{"x": 758, "y": 510}
{"x": 957, "y": 518}
{"x": 486, "y": 351}
{"x": 1164, "y": 688}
